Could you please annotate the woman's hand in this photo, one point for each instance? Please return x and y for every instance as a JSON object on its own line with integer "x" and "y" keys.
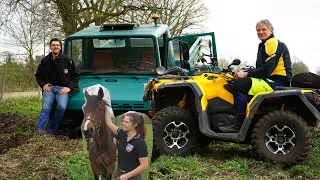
{"x": 123, "y": 177}
{"x": 241, "y": 74}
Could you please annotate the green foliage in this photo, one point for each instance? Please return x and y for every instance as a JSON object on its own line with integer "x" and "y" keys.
{"x": 17, "y": 75}
{"x": 25, "y": 129}
{"x": 239, "y": 166}
{"x": 299, "y": 170}
{"x": 25, "y": 106}
{"x": 299, "y": 67}
{"x": 78, "y": 167}
{"x": 56, "y": 161}
{"x": 223, "y": 160}
{"x": 175, "y": 166}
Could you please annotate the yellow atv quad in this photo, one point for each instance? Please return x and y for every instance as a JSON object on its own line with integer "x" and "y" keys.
{"x": 188, "y": 110}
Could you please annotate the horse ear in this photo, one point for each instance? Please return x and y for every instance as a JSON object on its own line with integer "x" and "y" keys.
{"x": 86, "y": 94}
{"x": 100, "y": 93}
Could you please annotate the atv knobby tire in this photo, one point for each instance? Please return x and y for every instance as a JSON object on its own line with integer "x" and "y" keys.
{"x": 282, "y": 136}
{"x": 174, "y": 131}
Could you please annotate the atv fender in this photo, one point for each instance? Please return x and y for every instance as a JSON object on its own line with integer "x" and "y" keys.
{"x": 193, "y": 86}
{"x": 203, "y": 121}
{"x": 257, "y": 100}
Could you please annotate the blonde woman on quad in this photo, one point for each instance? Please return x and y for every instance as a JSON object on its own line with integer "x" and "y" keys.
{"x": 273, "y": 68}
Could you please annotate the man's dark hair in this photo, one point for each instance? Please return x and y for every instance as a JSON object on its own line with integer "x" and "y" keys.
{"x": 56, "y": 39}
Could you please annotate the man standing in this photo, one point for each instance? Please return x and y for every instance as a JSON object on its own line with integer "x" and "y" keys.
{"x": 58, "y": 77}
{"x": 273, "y": 68}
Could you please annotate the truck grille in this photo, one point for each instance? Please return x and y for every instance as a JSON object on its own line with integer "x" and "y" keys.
{"x": 128, "y": 106}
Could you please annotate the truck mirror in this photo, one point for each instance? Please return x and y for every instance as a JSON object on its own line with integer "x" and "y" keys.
{"x": 185, "y": 51}
{"x": 186, "y": 64}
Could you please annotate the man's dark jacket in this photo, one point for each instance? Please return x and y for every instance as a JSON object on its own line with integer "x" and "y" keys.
{"x": 68, "y": 72}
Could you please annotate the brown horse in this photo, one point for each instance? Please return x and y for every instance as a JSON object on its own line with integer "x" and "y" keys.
{"x": 102, "y": 149}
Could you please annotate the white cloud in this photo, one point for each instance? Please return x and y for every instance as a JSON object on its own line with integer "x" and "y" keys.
{"x": 295, "y": 22}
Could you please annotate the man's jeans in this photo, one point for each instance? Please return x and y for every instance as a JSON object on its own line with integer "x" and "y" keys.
{"x": 47, "y": 101}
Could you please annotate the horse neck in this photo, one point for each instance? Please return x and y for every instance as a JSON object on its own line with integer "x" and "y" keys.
{"x": 105, "y": 139}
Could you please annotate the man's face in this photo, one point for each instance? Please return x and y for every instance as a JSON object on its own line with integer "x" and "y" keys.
{"x": 55, "y": 47}
{"x": 263, "y": 32}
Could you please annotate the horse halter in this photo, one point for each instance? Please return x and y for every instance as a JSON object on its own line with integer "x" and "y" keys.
{"x": 96, "y": 124}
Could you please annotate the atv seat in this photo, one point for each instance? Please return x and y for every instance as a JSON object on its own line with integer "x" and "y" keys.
{"x": 285, "y": 88}
{"x": 291, "y": 88}
{"x": 102, "y": 60}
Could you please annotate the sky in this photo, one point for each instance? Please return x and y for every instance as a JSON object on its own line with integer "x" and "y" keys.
{"x": 295, "y": 22}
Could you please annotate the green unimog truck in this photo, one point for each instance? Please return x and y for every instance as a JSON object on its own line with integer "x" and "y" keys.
{"x": 123, "y": 58}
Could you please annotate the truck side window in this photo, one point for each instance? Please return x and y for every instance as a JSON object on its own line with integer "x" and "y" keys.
{"x": 161, "y": 41}
{"x": 74, "y": 50}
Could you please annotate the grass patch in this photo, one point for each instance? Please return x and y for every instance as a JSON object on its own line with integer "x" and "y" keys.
{"x": 78, "y": 167}
{"x": 299, "y": 171}
{"x": 27, "y": 106}
{"x": 222, "y": 160}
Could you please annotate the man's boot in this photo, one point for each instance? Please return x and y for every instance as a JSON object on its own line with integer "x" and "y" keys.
{"x": 235, "y": 127}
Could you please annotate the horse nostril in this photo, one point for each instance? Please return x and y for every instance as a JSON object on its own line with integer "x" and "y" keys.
{"x": 90, "y": 131}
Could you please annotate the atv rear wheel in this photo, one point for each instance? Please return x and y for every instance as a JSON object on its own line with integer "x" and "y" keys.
{"x": 282, "y": 136}
{"x": 174, "y": 132}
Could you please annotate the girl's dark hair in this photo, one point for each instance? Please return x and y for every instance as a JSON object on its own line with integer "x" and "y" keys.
{"x": 138, "y": 119}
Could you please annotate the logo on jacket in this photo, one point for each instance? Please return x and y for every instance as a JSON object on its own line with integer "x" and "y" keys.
{"x": 129, "y": 147}
{"x": 66, "y": 71}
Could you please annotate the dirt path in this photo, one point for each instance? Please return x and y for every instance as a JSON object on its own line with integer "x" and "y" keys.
{"x": 21, "y": 94}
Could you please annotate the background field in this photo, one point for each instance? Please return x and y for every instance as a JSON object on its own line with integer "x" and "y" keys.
{"x": 25, "y": 155}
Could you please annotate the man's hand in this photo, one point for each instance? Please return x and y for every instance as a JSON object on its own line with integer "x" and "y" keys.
{"x": 46, "y": 87}
{"x": 65, "y": 90}
{"x": 241, "y": 74}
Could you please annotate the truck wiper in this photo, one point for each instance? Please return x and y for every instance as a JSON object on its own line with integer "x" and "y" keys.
{"x": 122, "y": 73}
{"x": 90, "y": 73}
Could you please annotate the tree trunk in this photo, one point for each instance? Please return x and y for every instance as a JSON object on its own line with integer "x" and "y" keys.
{"x": 68, "y": 15}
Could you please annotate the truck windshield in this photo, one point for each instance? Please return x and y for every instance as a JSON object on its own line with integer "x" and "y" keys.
{"x": 105, "y": 55}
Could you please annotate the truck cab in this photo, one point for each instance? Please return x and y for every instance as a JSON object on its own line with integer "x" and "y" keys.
{"x": 123, "y": 58}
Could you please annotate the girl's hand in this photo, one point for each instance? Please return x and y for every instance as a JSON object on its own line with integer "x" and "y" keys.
{"x": 123, "y": 177}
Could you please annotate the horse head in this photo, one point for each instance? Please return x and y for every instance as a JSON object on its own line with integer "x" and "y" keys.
{"x": 93, "y": 111}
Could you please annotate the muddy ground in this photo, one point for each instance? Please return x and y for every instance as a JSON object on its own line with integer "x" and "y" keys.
{"x": 25, "y": 155}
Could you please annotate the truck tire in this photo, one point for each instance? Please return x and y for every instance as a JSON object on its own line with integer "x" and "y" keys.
{"x": 174, "y": 132}
{"x": 282, "y": 136}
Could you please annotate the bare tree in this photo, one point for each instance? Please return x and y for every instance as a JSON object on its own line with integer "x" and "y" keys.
{"x": 223, "y": 63}
{"x": 26, "y": 30}
{"x": 180, "y": 15}
{"x": 74, "y": 15}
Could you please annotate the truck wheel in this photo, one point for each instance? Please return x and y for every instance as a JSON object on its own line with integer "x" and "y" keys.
{"x": 282, "y": 136}
{"x": 174, "y": 132}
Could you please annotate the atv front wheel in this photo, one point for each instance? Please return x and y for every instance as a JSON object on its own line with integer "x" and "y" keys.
{"x": 282, "y": 136}
{"x": 174, "y": 132}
